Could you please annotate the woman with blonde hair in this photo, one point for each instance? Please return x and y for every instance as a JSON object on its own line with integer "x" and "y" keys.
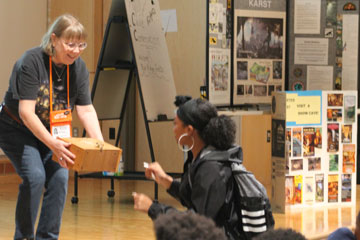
{"x": 46, "y": 84}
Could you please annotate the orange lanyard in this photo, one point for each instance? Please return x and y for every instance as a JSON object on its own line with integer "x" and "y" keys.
{"x": 51, "y": 89}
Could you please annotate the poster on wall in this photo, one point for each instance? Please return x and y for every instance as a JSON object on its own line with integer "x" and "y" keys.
{"x": 323, "y": 40}
{"x": 350, "y": 45}
{"x": 218, "y": 54}
{"x": 259, "y": 53}
{"x": 219, "y": 82}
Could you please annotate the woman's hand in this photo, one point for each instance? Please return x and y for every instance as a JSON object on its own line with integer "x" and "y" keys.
{"x": 141, "y": 202}
{"x": 60, "y": 149}
{"x": 159, "y": 174}
{"x": 32, "y": 122}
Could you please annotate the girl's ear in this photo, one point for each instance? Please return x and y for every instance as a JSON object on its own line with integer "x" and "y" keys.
{"x": 190, "y": 130}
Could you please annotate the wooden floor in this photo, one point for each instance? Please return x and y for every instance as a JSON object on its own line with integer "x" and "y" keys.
{"x": 98, "y": 217}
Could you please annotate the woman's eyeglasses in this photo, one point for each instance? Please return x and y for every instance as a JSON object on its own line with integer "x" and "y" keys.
{"x": 72, "y": 46}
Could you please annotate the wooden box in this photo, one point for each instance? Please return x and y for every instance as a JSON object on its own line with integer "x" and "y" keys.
{"x": 93, "y": 155}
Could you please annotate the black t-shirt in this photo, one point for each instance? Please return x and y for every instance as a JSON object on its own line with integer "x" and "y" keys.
{"x": 30, "y": 81}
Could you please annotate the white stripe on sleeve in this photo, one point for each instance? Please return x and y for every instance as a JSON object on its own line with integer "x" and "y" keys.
{"x": 259, "y": 213}
{"x": 254, "y": 229}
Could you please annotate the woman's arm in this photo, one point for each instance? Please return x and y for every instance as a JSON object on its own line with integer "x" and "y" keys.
{"x": 33, "y": 123}
{"x": 88, "y": 118}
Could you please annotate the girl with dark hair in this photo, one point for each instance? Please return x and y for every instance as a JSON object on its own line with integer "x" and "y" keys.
{"x": 198, "y": 126}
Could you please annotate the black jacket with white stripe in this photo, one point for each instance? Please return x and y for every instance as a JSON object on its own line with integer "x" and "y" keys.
{"x": 207, "y": 192}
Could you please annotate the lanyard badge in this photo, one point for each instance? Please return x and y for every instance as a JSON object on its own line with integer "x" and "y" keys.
{"x": 60, "y": 121}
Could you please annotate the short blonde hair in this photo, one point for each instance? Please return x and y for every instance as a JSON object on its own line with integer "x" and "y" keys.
{"x": 66, "y": 26}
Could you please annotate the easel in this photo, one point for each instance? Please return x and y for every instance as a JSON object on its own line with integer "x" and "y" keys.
{"x": 132, "y": 68}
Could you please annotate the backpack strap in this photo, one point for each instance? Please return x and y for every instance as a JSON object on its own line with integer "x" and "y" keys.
{"x": 232, "y": 155}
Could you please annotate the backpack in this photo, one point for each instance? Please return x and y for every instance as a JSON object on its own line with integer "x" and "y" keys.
{"x": 249, "y": 208}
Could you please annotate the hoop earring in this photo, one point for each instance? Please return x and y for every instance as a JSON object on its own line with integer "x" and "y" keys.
{"x": 181, "y": 147}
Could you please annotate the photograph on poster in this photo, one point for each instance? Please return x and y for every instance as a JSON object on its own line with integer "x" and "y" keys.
{"x": 333, "y": 188}
{"x": 216, "y": 17}
{"x": 240, "y": 90}
{"x": 219, "y": 76}
{"x": 297, "y": 143}
{"x": 348, "y": 158}
{"x": 309, "y": 190}
{"x": 213, "y": 41}
{"x": 346, "y": 133}
{"x": 260, "y": 91}
{"x": 308, "y": 142}
{"x": 296, "y": 164}
{"x": 331, "y": 12}
{"x": 277, "y": 70}
{"x": 333, "y": 137}
{"x": 339, "y": 54}
{"x": 219, "y": 72}
{"x": 334, "y": 115}
{"x": 260, "y": 71}
{"x": 314, "y": 164}
{"x": 338, "y": 78}
{"x": 339, "y": 44}
{"x": 349, "y": 7}
{"x": 288, "y": 141}
{"x": 297, "y": 86}
{"x": 259, "y": 37}
{"x": 335, "y": 100}
{"x": 249, "y": 89}
{"x": 349, "y": 109}
{"x": 289, "y": 190}
{"x": 298, "y": 188}
{"x": 271, "y": 88}
{"x": 298, "y": 72}
{"x": 318, "y": 138}
{"x": 338, "y": 61}
{"x": 242, "y": 70}
{"x": 329, "y": 32}
{"x": 319, "y": 185}
{"x": 333, "y": 162}
{"x": 346, "y": 187}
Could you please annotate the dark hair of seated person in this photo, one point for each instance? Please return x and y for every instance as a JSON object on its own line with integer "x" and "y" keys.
{"x": 281, "y": 234}
{"x": 186, "y": 226}
{"x": 215, "y": 130}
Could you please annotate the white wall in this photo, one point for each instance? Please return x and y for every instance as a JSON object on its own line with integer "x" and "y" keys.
{"x": 22, "y": 25}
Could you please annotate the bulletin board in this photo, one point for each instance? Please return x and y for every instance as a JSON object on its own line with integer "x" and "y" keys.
{"x": 152, "y": 58}
{"x": 246, "y": 51}
{"x": 259, "y": 50}
{"x": 323, "y": 44}
{"x": 314, "y": 149}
